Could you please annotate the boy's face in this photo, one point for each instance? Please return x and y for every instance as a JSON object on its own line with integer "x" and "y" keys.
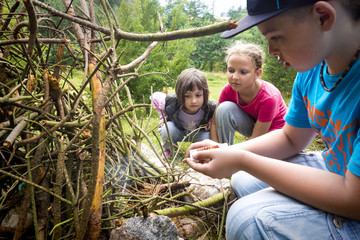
{"x": 193, "y": 100}
{"x": 297, "y": 44}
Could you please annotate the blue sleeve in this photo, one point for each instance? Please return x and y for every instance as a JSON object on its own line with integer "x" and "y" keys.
{"x": 297, "y": 115}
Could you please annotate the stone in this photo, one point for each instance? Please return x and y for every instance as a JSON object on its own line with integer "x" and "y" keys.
{"x": 139, "y": 228}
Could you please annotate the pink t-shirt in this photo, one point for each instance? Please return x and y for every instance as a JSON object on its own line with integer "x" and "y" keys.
{"x": 268, "y": 105}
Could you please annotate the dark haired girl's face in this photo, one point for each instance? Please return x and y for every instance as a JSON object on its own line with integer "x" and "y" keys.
{"x": 193, "y": 100}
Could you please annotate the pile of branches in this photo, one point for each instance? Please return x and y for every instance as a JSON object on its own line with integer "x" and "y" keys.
{"x": 69, "y": 166}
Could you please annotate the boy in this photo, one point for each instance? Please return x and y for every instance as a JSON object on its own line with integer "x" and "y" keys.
{"x": 319, "y": 196}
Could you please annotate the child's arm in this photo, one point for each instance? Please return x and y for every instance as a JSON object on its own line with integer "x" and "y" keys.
{"x": 158, "y": 100}
{"x": 213, "y": 132}
{"x": 321, "y": 189}
{"x": 260, "y": 128}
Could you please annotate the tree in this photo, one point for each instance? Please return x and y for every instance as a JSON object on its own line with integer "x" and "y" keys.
{"x": 209, "y": 53}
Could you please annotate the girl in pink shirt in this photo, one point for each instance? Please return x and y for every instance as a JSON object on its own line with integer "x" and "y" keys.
{"x": 247, "y": 104}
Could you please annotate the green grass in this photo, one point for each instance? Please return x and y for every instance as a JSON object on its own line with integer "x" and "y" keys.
{"x": 216, "y": 82}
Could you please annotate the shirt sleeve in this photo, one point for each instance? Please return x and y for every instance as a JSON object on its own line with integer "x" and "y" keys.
{"x": 297, "y": 115}
{"x": 158, "y": 100}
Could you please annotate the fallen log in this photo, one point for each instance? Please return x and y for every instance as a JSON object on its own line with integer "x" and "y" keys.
{"x": 185, "y": 210}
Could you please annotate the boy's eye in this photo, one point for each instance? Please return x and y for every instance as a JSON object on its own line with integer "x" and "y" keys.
{"x": 243, "y": 72}
{"x": 274, "y": 38}
{"x": 231, "y": 70}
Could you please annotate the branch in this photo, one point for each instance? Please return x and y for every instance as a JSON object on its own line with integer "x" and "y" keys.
{"x": 131, "y": 65}
{"x": 26, "y": 40}
{"x": 32, "y": 25}
{"x": 185, "y": 210}
{"x": 119, "y": 34}
{"x": 17, "y": 130}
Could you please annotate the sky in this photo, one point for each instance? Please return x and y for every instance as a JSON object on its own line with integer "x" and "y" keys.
{"x": 220, "y": 6}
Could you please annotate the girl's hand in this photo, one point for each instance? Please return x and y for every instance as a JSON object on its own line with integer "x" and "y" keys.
{"x": 161, "y": 122}
{"x": 207, "y": 127}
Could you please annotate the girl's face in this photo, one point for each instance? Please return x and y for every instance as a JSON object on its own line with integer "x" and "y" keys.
{"x": 193, "y": 100}
{"x": 241, "y": 72}
{"x": 297, "y": 44}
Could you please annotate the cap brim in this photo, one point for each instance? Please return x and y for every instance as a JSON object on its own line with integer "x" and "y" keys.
{"x": 250, "y": 21}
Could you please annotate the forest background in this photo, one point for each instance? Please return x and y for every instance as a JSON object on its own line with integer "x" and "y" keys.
{"x": 204, "y": 53}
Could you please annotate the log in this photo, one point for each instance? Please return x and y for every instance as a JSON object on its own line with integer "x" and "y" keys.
{"x": 185, "y": 210}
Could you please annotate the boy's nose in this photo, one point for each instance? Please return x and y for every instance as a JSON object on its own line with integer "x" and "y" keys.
{"x": 273, "y": 51}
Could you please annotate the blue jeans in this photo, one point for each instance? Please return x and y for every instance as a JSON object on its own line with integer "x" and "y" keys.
{"x": 263, "y": 213}
{"x": 230, "y": 118}
{"x": 178, "y": 135}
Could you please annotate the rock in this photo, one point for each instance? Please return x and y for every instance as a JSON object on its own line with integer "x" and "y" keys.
{"x": 205, "y": 186}
{"x": 138, "y": 228}
{"x": 149, "y": 153}
{"x": 188, "y": 227}
{"x": 11, "y": 219}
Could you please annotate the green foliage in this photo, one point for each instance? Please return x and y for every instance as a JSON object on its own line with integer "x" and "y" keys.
{"x": 170, "y": 57}
{"x": 204, "y": 53}
{"x": 280, "y": 76}
{"x": 236, "y": 14}
{"x": 209, "y": 53}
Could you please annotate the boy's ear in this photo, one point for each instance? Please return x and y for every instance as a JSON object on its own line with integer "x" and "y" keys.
{"x": 325, "y": 13}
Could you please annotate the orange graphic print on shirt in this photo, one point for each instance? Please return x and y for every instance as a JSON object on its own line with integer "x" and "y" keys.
{"x": 337, "y": 134}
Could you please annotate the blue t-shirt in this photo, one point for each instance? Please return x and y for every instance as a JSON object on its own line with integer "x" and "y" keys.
{"x": 334, "y": 115}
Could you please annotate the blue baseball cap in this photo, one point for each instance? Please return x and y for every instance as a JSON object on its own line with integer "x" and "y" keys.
{"x": 262, "y": 10}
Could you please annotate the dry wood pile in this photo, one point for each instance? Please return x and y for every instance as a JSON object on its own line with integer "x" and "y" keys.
{"x": 68, "y": 167}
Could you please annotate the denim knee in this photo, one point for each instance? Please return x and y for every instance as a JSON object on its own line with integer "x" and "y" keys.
{"x": 241, "y": 219}
{"x": 268, "y": 214}
{"x": 244, "y": 184}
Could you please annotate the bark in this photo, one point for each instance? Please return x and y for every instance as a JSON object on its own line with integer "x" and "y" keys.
{"x": 98, "y": 159}
{"x": 58, "y": 189}
{"x": 32, "y": 25}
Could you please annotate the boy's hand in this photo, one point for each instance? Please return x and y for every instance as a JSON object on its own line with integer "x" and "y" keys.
{"x": 204, "y": 143}
{"x": 216, "y": 163}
